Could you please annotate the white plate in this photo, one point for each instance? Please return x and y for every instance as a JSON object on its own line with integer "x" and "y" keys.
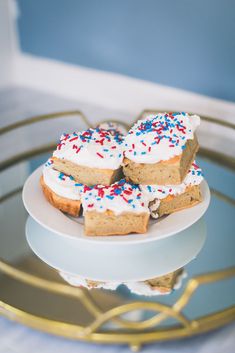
{"x": 101, "y": 262}
{"x": 56, "y": 221}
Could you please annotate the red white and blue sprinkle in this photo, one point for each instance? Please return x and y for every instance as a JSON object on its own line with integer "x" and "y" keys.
{"x": 159, "y": 137}
{"x": 119, "y": 197}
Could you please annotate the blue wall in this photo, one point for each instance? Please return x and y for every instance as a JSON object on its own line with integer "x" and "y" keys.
{"x": 182, "y": 43}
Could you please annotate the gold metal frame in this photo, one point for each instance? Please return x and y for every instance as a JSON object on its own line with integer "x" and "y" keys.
{"x": 132, "y": 333}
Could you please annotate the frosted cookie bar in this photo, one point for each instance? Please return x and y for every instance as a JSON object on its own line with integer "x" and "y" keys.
{"x": 60, "y": 190}
{"x": 93, "y": 156}
{"x": 166, "y": 199}
{"x": 114, "y": 210}
{"x": 160, "y": 149}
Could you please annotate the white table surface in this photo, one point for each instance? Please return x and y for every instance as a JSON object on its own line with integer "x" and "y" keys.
{"x": 19, "y": 103}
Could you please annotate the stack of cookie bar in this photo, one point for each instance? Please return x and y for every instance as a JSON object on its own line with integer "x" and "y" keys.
{"x": 160, "y": 153}
{"x": 120, "y": 178}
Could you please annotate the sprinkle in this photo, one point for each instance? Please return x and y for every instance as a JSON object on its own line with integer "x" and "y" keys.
{"x": 100, "y": 155}
{"x": 101, "y": 192}
{"x": 61, "y": 176}
{"x": 125, "y": 199}
{"x": 110, "y": 197}
{"x": 60, "y": 145}
{"x": 73, "y": 139}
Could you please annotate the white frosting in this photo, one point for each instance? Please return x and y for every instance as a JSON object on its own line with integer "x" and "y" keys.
{"x": 61, "y": 184}
{"x": 113, "y": 127}
{"x": 94, "y": 148}
{"x": 159, "y": 137}
{"x": 159, "y": 192}
{"x": 119, "y": 197}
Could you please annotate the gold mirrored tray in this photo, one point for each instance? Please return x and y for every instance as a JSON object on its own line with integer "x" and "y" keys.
{"x": 35, "y": 295}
